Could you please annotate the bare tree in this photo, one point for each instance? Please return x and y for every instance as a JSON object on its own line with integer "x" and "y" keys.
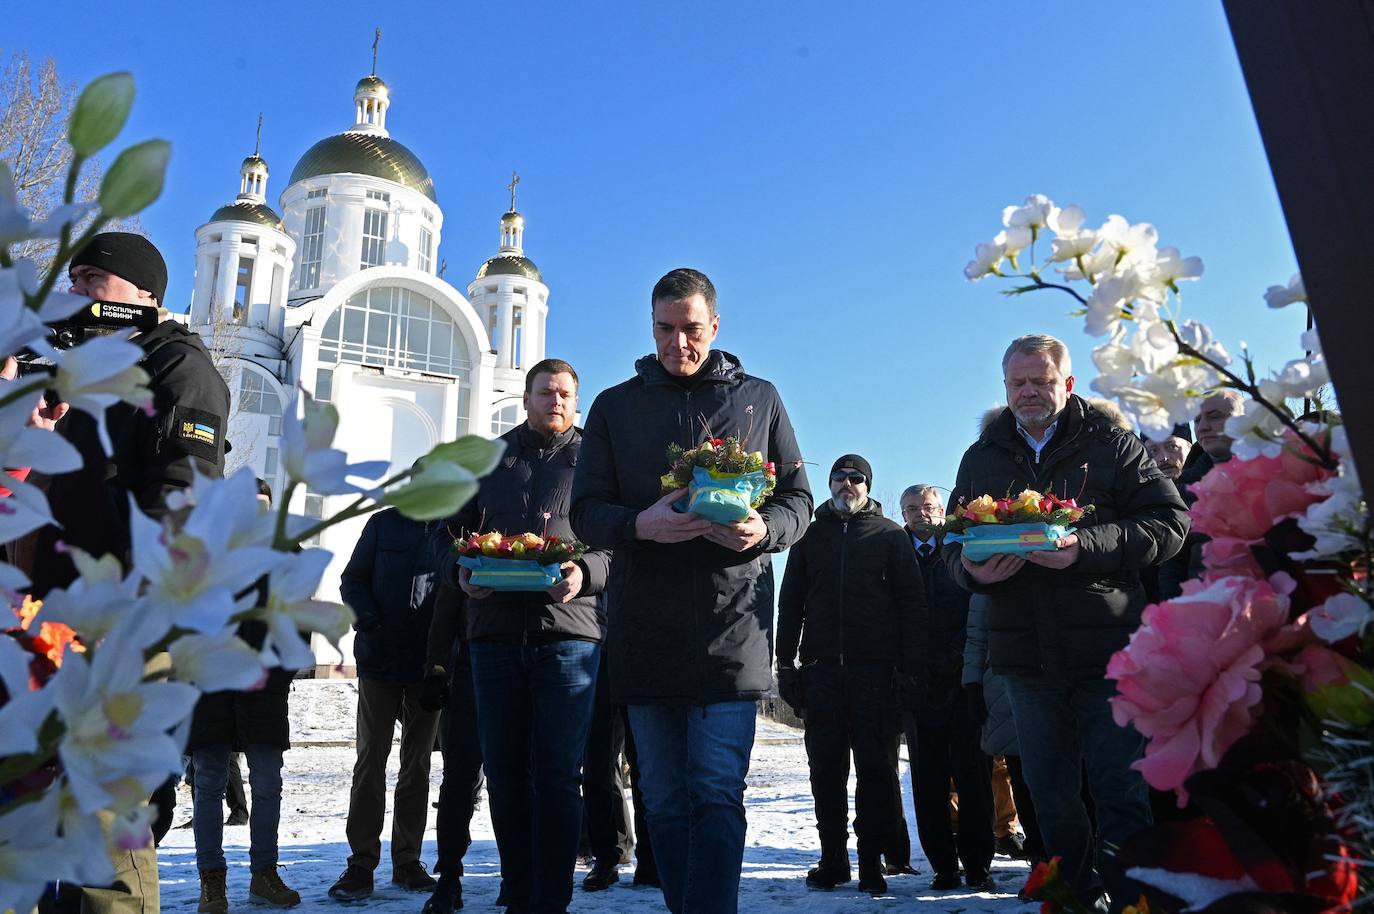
{"x": 226, "y": 346}
{"x": 35, "y": 105}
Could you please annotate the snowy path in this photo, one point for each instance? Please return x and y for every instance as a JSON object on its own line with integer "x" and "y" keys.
{"x": 781, "y": 846}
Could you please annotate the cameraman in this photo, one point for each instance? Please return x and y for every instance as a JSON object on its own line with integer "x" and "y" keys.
{"x": 151, "y": 455}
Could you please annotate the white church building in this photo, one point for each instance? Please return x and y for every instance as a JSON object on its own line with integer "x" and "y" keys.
{"x": 338, "y": 291}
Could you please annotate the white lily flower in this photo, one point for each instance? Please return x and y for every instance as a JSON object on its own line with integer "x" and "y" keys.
{"x": 31, "y": 853}
{"x": 1097, "y": 263}
{"x": 23, "y": 714}
{"x": 83, "y": 835}
{"x": 116, "y": 723}
{"x": 1165, "y": 398}
{"x": 987, "y": 259}
{"x": 24, "y": 511}
{"x": 217, "y": 661}
{"x": 16, "y": 224}
{"x": 1283, "y": 296}
{"x": 307, "y": 436}
{"x": 98, "y": 374}
{"x": 1034, "y": 214}
{"x": 1255, "y": 433}
{"x": 1130, "y": 244}
{"x": 1012, "y": 241}
{"x": 23, "y": 446}
{"x": 20, "y": 326}
{"x": 1105, "y": 305}
{"x": 291, "y": 609}
{"x": 193, "y": 573}
{"x": 99, "y": 599}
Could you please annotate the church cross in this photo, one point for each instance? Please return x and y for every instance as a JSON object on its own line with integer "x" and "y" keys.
{"x": 376, "y": 40}
{"x": 257, "y": 143}
{"x": 514, "y": 180}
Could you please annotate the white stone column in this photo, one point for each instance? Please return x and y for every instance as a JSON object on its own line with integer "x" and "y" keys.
{"x": 505, "y": 311}
{"x": 228, "y": 275}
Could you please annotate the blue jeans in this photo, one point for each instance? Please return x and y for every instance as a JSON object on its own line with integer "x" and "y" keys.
{"x": 207, "y": 815}
{"x": 534, "y": 707}
{"x": 694, "y": 761}
{"x": 1060, "y": 725}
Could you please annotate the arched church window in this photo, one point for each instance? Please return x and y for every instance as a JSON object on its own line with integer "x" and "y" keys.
{"x": 255, "y": 426}
{"x": 394, "y": 327}
{"x": 257, "y": 396}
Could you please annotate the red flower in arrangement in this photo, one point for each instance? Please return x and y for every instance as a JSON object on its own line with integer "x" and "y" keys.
{"x": 1045, "y": 871}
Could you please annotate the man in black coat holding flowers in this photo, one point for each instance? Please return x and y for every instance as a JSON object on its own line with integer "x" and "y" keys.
{"x": 1054, "y": 618}
{"x": 853, "y": 601}
{"x": 535, "y": 654}
{"x": 690, "y": 607}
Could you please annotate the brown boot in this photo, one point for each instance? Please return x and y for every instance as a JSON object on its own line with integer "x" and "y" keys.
{"x": 214, "y": 897}
{"x": 267, "y": 888}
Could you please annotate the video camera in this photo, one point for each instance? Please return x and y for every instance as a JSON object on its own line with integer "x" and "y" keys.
{"x": 99, "y": 318}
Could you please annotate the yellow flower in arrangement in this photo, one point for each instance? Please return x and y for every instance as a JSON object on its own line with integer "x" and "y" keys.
{"x": 983, "y": 508}
{"x": 1029, "y": 500}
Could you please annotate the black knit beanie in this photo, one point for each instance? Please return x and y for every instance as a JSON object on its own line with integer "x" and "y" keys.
{"x": 128, "y": 256}
{"x": 854, "y": 462}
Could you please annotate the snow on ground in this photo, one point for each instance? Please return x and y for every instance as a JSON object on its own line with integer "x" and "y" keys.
{"x": 780, "y": 847}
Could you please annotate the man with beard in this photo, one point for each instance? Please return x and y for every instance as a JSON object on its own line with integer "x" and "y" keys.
{"x": 1054, "y": 618}
{"x": 853, "y": 602}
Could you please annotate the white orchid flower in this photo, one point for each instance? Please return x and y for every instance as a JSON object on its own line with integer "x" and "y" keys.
{"x": 1170, "y": 268}
{"x": 1096, "y": 264}
{"x": 291, "y": 609}
{"x": 16, "y": 224}
{"x": 1300, "y": 378}
{"x": 99, "y": 599}
{"x": 308, "y": 453}
{"x": 1340, "y": 617}
{"x": 1165, "y": 398}
{"x": 1033, "y": 215}
{"x": 24, "y": 511}
{"x": 1337, "y": 523}
{"x": 1105, "y": 304}
{"x": 1199, "y": 336}
{"x": 23, "y": 446}
{"x": 31, "y": 853}
{"x": 100, "y": 373}
{"x": 23, "y": 714}
{"x": 216, "y": 661}
{"x": 987, "y": 259}
{"x": 194, "y": 572}
{"x": 21, "y": 326}
{"x": 1130, "y": 244}
{"x": 116, "y": 723}
{"x": 1012, "y": 241}
{"x": 1283, "y": 296}
{"x": 1255, "y": 433}
{"x": 1311, "y": 341}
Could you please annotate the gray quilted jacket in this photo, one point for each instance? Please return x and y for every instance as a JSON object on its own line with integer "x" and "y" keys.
{"x": 999, "y": 733}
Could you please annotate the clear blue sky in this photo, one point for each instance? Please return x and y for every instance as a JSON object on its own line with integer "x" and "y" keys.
{"x": 830, "y": 172}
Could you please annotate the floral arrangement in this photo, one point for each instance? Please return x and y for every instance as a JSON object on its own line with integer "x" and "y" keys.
{"x": 523, "y": 561}
{"x": 723, "y": 481}
{"x": 1254, "y": 689}
{"x": 1030, "y": 522}
{"x": 86, "y": 731}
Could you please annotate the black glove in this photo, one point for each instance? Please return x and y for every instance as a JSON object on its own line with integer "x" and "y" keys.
{"x": 912, "y": 691}
{"x": 790, "y": 688}
{"x": 977, "y": 707}
{"x": 434, "y": 692}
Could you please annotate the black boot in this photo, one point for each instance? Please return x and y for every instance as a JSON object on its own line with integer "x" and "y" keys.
{"x": 871, "y": 876}
{"x": 833, "y": 868}
{"x": 447, "y": 897}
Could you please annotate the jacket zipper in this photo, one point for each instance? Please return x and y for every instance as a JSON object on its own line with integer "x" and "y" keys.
{"x": 844, "y": 548}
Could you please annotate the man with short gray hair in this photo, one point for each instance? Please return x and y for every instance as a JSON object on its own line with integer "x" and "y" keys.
{"x": 1054, "y": 618}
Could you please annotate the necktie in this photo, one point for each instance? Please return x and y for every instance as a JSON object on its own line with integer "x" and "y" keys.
{"x": 925, "y": 550}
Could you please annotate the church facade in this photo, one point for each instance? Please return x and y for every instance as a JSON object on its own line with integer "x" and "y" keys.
{"x": 338, "y": 292}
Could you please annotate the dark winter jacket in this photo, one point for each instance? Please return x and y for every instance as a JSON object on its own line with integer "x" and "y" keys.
{"x": 947, "y": 612}
{"x": 852, "y": 591}
{"x": 151, "y": 455}
{"x": 534, "y": 479}
{"x": 999, "y": 731}
{"x": 390, "y": 583}
{"x": 688, "y": 623}
{"x": 1187, "y": 563}
{"x": 257, "y": 716}
{"x": 1071, "y": 621}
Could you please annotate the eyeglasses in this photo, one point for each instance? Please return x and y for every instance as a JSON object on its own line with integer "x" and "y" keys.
{"x": 854, "y": 479}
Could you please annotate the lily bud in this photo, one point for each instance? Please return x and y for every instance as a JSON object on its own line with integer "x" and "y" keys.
{"x": 100, "y": 113}
{"x": 135, "y": 179}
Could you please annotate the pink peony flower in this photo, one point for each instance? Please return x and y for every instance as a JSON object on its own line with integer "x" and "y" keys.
{"x": 1239, "y": 500}
{"x": 1189, "y": 681}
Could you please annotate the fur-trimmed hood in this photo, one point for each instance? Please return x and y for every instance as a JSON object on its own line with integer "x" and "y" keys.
{"x": 1106, "y": 407}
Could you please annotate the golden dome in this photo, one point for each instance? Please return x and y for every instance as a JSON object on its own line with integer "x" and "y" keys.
{"x": 512, "y": 218}
{"x": 510, "y": 265}
{"x": 371, "y": 84}
{"x": 242, "y": 211}
{"x": 364, "y": 154}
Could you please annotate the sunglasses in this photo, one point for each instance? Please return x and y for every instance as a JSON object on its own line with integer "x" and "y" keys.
{"x": 854, "y": 479}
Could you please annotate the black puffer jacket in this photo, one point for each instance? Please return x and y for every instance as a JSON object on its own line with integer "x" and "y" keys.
{"x": 151, "y": 455}
{"x": 852, "y": 591}
{"x": 390, "y": 583}
{"x": 533, "y": 479}
{"x": 688, "y": 623}
{"x": 257, "y": 716}
{"x": 1071, "y": 621}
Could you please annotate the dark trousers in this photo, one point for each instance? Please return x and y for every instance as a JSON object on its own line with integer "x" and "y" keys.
{"x": 607, "y": 818}
{"x": 461, "y": 788}
{"x": 645, "y": 867}
{"x": 534, "y": 705}
{"x": 849, "y": 708}
{"x": 1025, "y": 809}
{"x": 380, "y": 705}
{"x": 940, "y": 752}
